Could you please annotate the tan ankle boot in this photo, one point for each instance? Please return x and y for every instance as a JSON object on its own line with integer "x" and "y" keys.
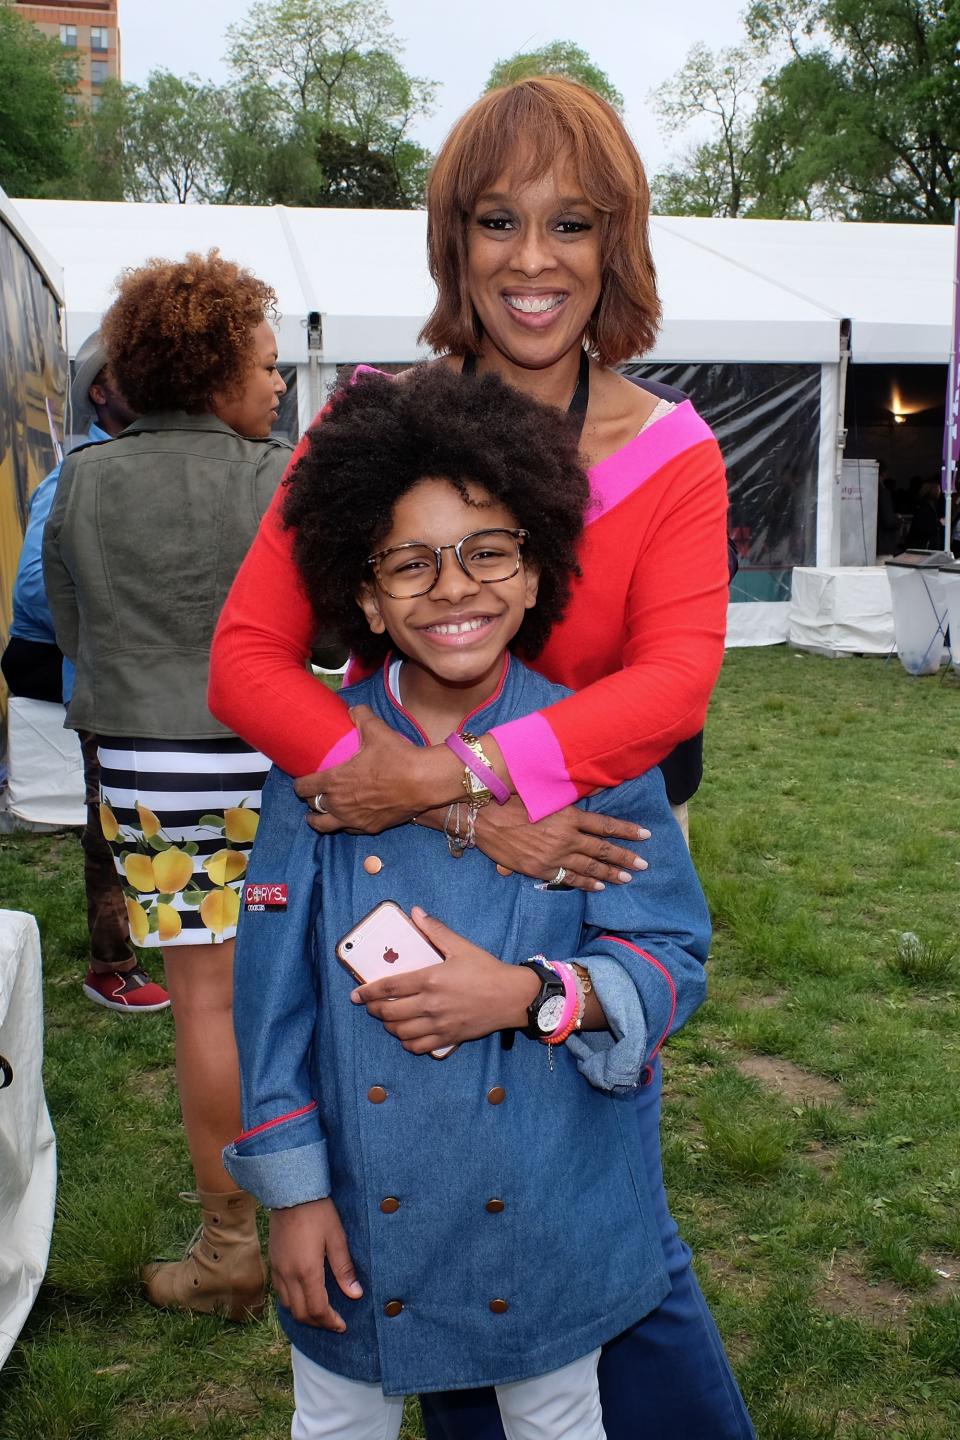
{"x": 222, "y": 1272}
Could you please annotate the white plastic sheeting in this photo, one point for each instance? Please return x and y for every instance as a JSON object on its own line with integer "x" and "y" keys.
{"x": 28, "y": 1156}
{"x": 761, "y": 622}
{"x": 44, "y": 765}
{"x": 919, "y": 610}
{"x": 841, "y": 611}
{"x": 733, "y": 290}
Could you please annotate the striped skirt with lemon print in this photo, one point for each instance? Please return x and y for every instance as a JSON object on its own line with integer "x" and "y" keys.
{"x": 180, "y": 817}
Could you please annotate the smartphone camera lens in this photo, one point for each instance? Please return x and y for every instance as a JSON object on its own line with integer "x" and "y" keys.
{"x": 349, "y": 945}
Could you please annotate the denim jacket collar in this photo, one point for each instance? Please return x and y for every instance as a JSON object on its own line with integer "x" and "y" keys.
{"x": 389, "y": 708}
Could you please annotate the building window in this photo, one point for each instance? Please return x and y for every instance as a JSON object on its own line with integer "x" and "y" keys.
{"x": 99, "y": 39}
{"x": 68, "y": 37}
{"x": 95, "y": 102}
{"x": 99, "y": 72}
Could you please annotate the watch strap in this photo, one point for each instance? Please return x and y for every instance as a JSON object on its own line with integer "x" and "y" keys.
{"x": 551, "y": 986}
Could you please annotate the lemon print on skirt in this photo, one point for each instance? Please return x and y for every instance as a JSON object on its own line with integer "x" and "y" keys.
{"x": 181, "y": 882}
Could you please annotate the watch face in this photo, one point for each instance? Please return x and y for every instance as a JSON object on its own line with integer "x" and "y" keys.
{"x": 548, "y": 1016}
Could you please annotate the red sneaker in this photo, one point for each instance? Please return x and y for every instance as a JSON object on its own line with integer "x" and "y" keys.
{"x": 130, "y": 991}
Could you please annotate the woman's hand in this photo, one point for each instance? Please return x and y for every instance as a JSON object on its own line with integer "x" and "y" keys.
{"x": 471, "y": 995}
{"x": 578, "y": 840}
{"x": 300, "y": 1238}
{"x": 386, "y": 782}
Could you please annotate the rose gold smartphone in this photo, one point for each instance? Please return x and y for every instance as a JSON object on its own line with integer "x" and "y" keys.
{"x": 386, "y": 942}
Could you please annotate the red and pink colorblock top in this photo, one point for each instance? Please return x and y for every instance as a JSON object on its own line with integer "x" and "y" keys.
{"x": 641, "y": 642}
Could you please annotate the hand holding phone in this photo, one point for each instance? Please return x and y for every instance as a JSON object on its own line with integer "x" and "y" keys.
{"x": 387, "y": 942}
{"x": 471, "y": 995}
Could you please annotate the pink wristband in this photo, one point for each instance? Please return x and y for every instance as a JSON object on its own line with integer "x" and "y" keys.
{"x": 483, "y": 772}
{"x": 571, "y": 1001}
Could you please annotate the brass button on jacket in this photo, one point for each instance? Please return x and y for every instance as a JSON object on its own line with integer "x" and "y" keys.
{"x": 393, "y": 1307}
{"x": 390, "y": 1205}
{"x": 373, "y": 864}
{"x": 499, "y": 1306}
{"x": 494, "y": 1207}
{"x": 376, "y": 1094}
{"x": 496, "y": 1095}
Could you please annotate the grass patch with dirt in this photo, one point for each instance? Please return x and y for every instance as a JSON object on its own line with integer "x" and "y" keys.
{"x": 811, "y": 1142}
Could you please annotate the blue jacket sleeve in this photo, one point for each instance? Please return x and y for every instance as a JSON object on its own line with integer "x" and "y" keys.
{"x": 281, "y": 1154}
{"x": 31, "y": 613}
{"x": 645, "y": 943}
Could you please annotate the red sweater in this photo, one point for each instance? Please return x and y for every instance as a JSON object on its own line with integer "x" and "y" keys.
{"x": 641, "y": 642}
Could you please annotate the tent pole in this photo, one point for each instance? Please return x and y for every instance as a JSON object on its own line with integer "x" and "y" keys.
{"x": 952, "y": 418}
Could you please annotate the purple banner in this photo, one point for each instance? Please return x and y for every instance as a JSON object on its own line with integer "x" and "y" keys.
{"x": 951, "y": 428}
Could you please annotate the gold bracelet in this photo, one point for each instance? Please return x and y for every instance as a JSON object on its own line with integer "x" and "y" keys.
{"x": 478, "y": 794}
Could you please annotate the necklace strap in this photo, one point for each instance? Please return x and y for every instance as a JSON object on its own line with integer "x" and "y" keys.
{"x": 581, "y": 395}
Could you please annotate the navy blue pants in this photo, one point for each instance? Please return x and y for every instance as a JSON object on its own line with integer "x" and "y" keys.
{"x": 667, "y": 1378}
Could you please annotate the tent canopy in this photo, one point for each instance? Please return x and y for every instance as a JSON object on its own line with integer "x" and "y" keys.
{"x": 733, "y": 290}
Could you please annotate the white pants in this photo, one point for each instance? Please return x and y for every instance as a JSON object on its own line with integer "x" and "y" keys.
{"x": 562, "y": 1405}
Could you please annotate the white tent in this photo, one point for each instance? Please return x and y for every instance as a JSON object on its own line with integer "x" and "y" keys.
{"x": 742, "y": 291}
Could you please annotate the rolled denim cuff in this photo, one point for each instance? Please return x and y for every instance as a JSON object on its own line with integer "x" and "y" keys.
{"x": 612, "y": 1061}
{"x": 282, "y": 1178}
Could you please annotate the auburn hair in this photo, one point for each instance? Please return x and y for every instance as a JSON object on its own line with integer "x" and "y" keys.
{"x": 181, "y": 331}
{"x": 524, "y": 129}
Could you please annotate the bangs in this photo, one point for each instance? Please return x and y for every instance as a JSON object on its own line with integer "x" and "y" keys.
{"x": 525, "y": 131}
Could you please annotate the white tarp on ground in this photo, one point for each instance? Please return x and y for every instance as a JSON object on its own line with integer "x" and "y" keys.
{"x": 28, "y": 1156}
{"x": 45, "y": 763}
{"x": 841, "y": 610}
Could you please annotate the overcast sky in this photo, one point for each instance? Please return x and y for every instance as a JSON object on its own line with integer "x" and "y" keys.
{"x": 638, "y": 43}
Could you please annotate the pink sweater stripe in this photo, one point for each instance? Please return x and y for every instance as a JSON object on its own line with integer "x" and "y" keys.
{"x": 344, "y": 750}
{"x": 623, "y": 472}
{"x": 532, "y": 754}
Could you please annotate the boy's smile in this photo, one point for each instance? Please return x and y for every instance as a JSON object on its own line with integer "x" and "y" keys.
{"x": 456, "y": 633}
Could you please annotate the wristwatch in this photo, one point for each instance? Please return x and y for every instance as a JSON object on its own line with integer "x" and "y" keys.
{"x": 478, "y": 794}
{"x": 546, "y": 1007}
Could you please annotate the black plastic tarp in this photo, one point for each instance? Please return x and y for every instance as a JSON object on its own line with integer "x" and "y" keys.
{"x": 767, "y": 421}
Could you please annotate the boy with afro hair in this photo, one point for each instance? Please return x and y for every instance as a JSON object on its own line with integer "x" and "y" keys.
{"x": 486, "y": 1217}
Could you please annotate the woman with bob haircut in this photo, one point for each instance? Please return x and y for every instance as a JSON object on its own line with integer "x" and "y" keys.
{"x": 144, "y": 538}
{"x": 538, "y": 243}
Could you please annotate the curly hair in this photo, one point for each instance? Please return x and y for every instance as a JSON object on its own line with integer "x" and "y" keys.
{"x": 378, "y": 437}
{"x": 181, "y": 331}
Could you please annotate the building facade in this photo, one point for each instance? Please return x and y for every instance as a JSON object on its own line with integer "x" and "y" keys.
{"x": 89, "y": 31}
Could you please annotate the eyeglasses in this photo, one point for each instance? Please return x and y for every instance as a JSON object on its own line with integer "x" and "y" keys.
{"x": 487, "y": 556}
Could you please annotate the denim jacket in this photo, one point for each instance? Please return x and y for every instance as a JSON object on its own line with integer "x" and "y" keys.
{"x": 413, "y": 1150}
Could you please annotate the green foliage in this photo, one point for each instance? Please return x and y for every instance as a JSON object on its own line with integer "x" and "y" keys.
{"x": 925, "y": 960}
{"x": 712, "y": 179}
{"x": 345, "y": 104}
{"x": 853, "y": 112}
{"x": 561, "y": 57}
{"x": 317, "y": 112}
{"x": 35, "y": 79}
{"x": 160, "y": 142}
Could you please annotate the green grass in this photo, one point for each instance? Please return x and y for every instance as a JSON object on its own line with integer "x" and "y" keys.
{"x": 811, "y": 1141}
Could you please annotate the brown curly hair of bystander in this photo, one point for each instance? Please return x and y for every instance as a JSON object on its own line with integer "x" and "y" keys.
{"x": 182, "y": 331}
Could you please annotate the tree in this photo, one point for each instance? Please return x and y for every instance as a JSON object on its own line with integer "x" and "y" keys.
{"x": 561, "y": 57}
{"x": 162, "y": 142}
{"x": 713, "y": 177}
{"x": 857, "y": 115}
{"x": 35, "y": 79}
{"x": 336, "y": 62}
{"x": 866, "y": 110}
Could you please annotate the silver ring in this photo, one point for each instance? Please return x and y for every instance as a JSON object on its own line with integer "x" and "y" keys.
{"x": 557, "y": 880}
{"x": 318, "y": 805}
